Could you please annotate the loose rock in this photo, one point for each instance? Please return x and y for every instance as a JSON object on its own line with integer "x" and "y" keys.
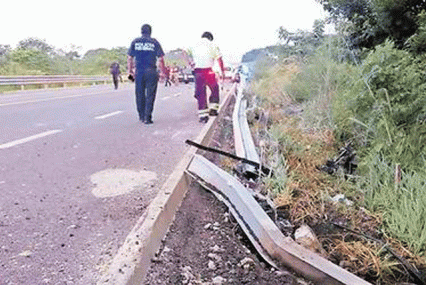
{"x": 218, "y": 280}
{"x": 211, "y": 265}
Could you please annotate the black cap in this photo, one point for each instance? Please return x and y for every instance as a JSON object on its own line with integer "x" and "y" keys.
{"x": 207, "y": 35}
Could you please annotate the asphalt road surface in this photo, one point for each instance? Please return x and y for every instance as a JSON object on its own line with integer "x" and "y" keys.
{"x": 77, "y": 170}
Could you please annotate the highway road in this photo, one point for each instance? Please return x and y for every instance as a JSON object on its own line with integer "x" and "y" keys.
{"x": 77, "y": 170}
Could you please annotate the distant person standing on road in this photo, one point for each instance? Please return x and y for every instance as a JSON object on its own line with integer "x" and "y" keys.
{"x": 167, "y": 76}
{"x": 142, "y": 67}
{"x": 204, "y": 54}
{"x": 174, "y": 74}
{"x": 115, "y": 71}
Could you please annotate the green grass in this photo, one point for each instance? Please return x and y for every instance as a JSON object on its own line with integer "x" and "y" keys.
{"x": 362, "y": 104}
{"x": 403, "y": 206}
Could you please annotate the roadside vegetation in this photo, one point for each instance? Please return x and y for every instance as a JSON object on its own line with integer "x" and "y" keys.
{"x": 34, "y": 56}
{"x": 361, "y": 90}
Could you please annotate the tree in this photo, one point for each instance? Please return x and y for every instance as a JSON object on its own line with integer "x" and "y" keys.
{"x": 374, "y": 21}
{"x": 33, "y": 60}
{"x": 319, "y": 27}
{"x": 417, "y": 42}
{"x": 72, "y": 52}
{"x": 37, "y": 44}
{"x": 4, "y": 49}
{"x": 284, "y": 35}
{"x": 98, "y": 61}
{"x": 301, "y": 42}
{"x": 94, "y": 52}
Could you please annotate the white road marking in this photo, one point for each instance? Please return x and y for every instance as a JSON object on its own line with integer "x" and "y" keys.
{"x": 108, "y": 115}
{"x": 168, "y": 97}
{"x": 27, "y": 139}
{"x": 52, "y": 98}
{"x": 176, "y": 134}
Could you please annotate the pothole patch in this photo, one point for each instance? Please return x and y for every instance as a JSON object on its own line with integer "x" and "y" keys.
{"x": 114, "y": 182}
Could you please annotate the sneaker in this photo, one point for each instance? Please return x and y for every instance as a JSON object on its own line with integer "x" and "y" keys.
{"x": 204, "y": 119}
{"x": 213, "y": 112}
{"x": 148, "y": 122}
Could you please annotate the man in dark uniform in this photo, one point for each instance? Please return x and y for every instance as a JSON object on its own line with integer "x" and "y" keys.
{"x": 142, "y": 66}
{"x": 115, "y": 71}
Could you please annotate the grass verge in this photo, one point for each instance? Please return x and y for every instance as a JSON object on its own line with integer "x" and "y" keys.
{"x": 295, "y": 136}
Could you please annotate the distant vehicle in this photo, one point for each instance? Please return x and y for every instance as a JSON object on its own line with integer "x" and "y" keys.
{"x": 186, "y": 76}
{"x": 236, "y": 77}
{"x": 228, "y": 73}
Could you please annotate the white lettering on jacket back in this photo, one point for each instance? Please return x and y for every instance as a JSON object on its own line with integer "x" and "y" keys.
{"x": 145, "y": 46}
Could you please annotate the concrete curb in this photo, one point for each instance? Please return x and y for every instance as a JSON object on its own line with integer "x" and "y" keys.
{"x": 133, "y": 259}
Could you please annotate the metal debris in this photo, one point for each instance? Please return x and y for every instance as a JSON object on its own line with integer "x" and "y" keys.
{"x": 263, "y": 169}
{"x": 345, "y": 161}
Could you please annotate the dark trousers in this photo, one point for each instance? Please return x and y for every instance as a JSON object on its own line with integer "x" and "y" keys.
{"x": 115, "y": 80}
{"x": 205, "y": 77}
{"x": 146, "y": 89}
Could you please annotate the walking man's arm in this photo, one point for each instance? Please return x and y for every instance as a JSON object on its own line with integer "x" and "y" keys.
{"x": 131, "y": 67}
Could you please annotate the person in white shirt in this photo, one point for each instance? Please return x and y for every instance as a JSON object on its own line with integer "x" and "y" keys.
{"x": 203, "y": 55}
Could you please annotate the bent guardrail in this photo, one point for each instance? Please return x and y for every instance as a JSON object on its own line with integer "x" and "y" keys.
{"x": 48, "y": 80}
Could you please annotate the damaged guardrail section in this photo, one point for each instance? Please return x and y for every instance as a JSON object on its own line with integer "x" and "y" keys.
{"x": 244, "y": 145}
{"x": 265, "y": 236}
{"x": 261, "y": 230}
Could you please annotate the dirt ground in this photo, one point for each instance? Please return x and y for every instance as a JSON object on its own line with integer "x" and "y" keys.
{"x": 205, "y": 245}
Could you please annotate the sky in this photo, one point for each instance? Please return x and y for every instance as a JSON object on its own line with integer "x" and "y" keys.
{"x": 238, "y": 26}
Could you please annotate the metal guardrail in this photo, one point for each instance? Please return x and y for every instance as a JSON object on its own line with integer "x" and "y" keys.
{"x": 47, "y": 80}
{"x": 244, "y": 144}
{"x": 279, "y": 251}
{"x": 264, "y": 235}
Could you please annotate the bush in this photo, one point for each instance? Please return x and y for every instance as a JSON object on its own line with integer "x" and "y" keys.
{"x": 321, "y": 76}
{"x": 32, "y": 60}
{"x": 387, "y": 106}
{"x": 403, "y": 205}
{"x": 383, "y": 111}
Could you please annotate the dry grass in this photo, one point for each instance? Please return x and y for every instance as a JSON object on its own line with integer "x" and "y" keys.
{"x": 288, "y": 144}
{"x": 273, "y": 83}
{"x": 307, "y": 192}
